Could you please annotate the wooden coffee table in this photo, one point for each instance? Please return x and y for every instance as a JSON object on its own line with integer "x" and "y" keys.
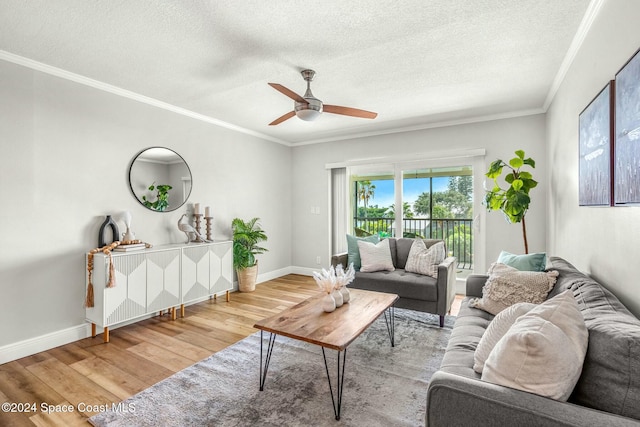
{"x": 307, "y": 322}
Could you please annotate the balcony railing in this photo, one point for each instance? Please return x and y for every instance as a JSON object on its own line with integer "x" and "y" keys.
{"x": 457, "y": 233}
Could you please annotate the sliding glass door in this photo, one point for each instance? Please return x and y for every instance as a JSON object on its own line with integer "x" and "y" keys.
{"x": 432, "y": 203}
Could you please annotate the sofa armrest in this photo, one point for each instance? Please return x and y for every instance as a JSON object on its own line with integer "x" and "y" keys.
{"x": 454, "y": 400}
{"x": 339, "y": 259}
{"x": 446, "y": 285}
{"x": 474, "y": 285}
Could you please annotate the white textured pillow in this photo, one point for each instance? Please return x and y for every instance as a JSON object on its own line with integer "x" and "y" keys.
{"x": 375, "y": 257}
{"x": 424, "y": 261}
{"x": 496, "y": 330}
{"x": 507, "y": 286}
{"x": 543, "y": 351}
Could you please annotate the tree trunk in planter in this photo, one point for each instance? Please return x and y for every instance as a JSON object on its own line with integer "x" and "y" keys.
{"x": 247, "y": 278}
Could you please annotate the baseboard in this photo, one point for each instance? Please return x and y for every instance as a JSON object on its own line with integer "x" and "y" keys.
{"x": 45, "y": 342}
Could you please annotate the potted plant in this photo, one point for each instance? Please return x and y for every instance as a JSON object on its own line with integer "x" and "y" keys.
{"x": 514, "y": 201}
{"x": 246, "y": 236}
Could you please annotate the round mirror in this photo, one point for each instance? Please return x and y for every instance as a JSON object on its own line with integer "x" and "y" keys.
{"x": 160, "y": 179}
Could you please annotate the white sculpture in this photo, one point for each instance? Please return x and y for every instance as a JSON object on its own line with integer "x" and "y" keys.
{"x": 187, "y": 229}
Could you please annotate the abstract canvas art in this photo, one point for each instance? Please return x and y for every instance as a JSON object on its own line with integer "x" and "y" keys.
{"x": 627, "y": 133}
{"x": 595, "y": 150}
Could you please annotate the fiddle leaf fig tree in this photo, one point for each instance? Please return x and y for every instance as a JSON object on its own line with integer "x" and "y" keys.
{"x": 513, "y": 201}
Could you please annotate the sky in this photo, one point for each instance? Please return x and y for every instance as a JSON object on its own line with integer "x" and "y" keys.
{"x": 412, "y": 188}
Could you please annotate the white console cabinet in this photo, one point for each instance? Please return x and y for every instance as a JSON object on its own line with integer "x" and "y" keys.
{"x": 158, "y": 279}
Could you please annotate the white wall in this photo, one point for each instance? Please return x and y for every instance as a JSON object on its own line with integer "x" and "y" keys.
{"x": 500, "y": 138}
{"x": 600, "y": 241}
{"x": 64, "y": 154}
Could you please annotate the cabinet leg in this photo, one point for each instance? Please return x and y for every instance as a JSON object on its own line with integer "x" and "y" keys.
{"x": 174, "y": 313}
{"x": 215, "y": 297}
{"x": 106, "y": 334}
{"x": 93, "y": 330}
{"x": 181, "y": 310}
{"x": 228, "y": 296}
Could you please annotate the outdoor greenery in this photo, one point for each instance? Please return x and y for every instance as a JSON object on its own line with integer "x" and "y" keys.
{"x": 442, "y": 221}
{"x": 162, "y": 197}
{"x": 246, "y": 236}
{"x": 514, "y": 200}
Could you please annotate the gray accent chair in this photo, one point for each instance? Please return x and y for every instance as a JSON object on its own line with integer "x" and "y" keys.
{"x": 416, "y": 291}
{"x": 607, "y": 393}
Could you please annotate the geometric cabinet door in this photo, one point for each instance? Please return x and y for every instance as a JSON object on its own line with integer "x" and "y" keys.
{"x": 163, "y": 280}
{"x": 221, "y": 273}
{"x": 206, "y": 270}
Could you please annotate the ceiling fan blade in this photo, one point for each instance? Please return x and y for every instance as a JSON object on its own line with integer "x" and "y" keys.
{"x": 282, "y": 118}
{"x": 288, "y": 92}
{"x": 348, "y": 111}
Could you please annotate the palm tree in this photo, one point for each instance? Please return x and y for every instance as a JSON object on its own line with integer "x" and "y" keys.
{"x": 366, "y": 191}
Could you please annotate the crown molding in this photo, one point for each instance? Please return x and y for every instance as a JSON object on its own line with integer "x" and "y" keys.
{"x": 469, "y": 120}
{"x": 585, "y": 26}
{"x": 96, "y": 84}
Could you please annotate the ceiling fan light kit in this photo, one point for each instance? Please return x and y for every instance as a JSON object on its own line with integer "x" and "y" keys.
{"x": 309, "y": 108}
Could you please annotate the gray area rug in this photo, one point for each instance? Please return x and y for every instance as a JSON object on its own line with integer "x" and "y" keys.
{"x": 383, "y": 386}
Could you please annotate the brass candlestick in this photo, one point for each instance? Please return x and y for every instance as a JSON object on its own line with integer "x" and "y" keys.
{"x": 208, "y": 220}
{"x": 198, "y": 219}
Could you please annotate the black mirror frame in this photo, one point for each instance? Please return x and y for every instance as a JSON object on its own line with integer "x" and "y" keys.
{"x": 133, "y": 160}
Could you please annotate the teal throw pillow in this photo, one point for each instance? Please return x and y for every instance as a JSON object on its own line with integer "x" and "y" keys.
{"x": 527, "y": 262}
{"x": 353, "y": 253}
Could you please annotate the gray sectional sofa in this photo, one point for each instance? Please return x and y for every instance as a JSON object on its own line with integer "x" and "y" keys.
{"x": 607, "y": 393}
{"x": 416, "y": 291}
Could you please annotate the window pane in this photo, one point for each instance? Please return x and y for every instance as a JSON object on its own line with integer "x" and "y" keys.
{"x": 373, "y": 196}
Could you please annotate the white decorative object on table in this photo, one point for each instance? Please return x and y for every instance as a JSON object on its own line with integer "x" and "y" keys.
{"x": 337, "y": 296}
{"x": 328, "y": 303}
{"x": 126, "y": 218}
{"x": 343, "y": 278}
{"x": 187, "y": 229}
{"x": 332, "y": 282}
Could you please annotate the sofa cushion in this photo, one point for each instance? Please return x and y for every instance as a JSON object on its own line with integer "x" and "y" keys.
{"x": 543, "y": 351}
{"x": 353, "y": 253}
{"x": 496, "y": 330}
{"x": 471, "y": 323}
{"x": 610, "y": 379}
{"x": 526, "y": 262}
{"x": 405, "y": 285}
{"x": 507, "y": 286}
{"x": 403, "y": 247}
{"x": 375, "y": 256}
{"x": 423, "y": 260}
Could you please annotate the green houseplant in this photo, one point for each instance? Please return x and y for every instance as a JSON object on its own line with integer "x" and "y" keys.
{"x": 513, "y": 201}
{"x": 162, "y": 197}
{"x": 246, "y": 236}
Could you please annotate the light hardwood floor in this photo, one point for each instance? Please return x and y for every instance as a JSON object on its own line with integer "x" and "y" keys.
{"x": 89, "y": 374}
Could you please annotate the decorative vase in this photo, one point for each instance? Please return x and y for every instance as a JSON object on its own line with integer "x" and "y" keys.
{"x": 328, "y": 303}
{"x": 102, "y": 238}
{"x": 346, "y": 295}
{"x": 128, "y": 235}
{"x": 337, "y": 296}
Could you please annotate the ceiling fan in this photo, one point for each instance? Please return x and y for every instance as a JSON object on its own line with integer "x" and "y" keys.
{"x": 309, "y": 108}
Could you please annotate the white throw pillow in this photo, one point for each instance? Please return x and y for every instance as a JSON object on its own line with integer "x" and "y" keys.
{"x": 507, "y": 286}
{"x": 375, "y": 257}
{"x": 425, "y": 261}
{"x": 543, "y": 351}
{"x": 496, "y": 330}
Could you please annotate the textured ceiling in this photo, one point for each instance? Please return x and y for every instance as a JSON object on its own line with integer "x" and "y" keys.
{"x": 415, "y": 62}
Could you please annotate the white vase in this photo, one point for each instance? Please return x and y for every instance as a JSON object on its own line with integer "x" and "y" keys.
{"x": 337, "y": 296}
{"x": 328, "y": 303}
{"x": 346, "y": 295}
